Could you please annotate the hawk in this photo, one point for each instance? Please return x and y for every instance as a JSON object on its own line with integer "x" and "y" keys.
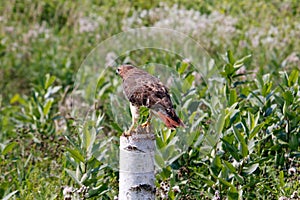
{"x": 143, "y": 89}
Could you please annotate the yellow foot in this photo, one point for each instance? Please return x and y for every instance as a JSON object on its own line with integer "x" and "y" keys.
{"x": 129, "y": 131}
{"x": 146, "y": 124}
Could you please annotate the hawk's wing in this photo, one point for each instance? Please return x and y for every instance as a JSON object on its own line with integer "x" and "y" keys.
{"x": 143, "y": 89}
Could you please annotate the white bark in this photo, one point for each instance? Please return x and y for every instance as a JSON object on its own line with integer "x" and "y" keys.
{"x": 137, "y": 166}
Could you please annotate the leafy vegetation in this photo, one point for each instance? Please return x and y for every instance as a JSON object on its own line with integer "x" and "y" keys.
{"x": 243, "y": 113}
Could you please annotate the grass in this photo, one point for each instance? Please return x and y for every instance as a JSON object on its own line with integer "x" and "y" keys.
{"x": 245, "y": 138}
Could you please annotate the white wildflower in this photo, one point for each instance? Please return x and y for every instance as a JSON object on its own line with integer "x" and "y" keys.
{"x": 186, "y": 60}
{"x": 292, "y": 170}
{"x": 186, "y": 21}
{"x": 9, "y": 29}
{"x": 283, "y": 198}
{"x": 217, "y": 195}
{"x": 176, "y": 189}
{"x": 67, "y": 192}
{"x": 90, "y": 23}
{"x": 87, "y": 25}
{"x": 36, "y": 31}
{"x": 295, "y": 195}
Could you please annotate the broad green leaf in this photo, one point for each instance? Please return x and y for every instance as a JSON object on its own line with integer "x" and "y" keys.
{"x": 86, "y": 136}
{"x": 241, "y": 139}
{"x": 160, "y": 143}
{"x": 239, "y": 178}
{"x": 230, "y": 57}
{"x": 255, "y": 130}
{"x": 220, "y": 122}
{"x": 294, "y": 142}
{"x": 230, "y": 166}
{"x": 52, "y": 90}
{"x": 229, "y": 70}
{"x": 9, "y": 147}
{"x": 15, "y": 98}
{"x": 228, "y": 184}
{"x": 281, "y": 179}
{"x": 217, "y": 162}
{"x": 10, "y": 195}
{"x": 250, "y": 169}
{"x": 288, "y": 97}
{"x": 232, "y": 97}
{"x": 84, "y": 177}
{"x": 47, "y": 106}
{"x": 241, "y": 61}
{"x": 233, "y": 194}
{"x": 98, "y": 191}
{"x": 232, "y": 150}
{"x": 73, "y": 175}
{"x": 266, "y": 89}
{"x": 76, "y": 155}
{"x": 293, "y": 78}
{"x": 159, "y": 161}
{"x": 49, "y": 81}
{"x": 183, "y": 67}
{"x": 91, "y": 142}
{"x": 116, "y": 127}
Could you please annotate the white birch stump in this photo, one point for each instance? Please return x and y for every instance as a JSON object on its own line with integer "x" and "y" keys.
{"x": 137, "y": 177}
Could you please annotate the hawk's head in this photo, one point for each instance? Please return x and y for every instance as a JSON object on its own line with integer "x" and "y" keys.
{"x": 123, "y": 69}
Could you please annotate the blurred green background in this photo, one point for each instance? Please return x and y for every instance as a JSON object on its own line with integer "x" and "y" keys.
{"x": 254, "y": 149}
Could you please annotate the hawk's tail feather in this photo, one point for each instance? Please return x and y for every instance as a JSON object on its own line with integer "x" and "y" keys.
{"x": 169, "y": 122}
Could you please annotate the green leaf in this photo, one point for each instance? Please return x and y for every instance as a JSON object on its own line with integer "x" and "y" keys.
{"x": 86, "y": 136}
{"x": 288, "y": 97}
{"x": 294, "y": 142}
{"x": 228, "y": 184}
{"x": 230, "y": 57}
{"x": 231, "y": 149}
{"x": 239, "y": 178}
{"x": 217, "y": 163}
{"x": 241, "y": 139}
{"x": 183, "y": 67}
{"x": 47, "y": 106}
{"x": 220, "y": 122}
{"x": 255, "y": 130}
{"x": 229, "y": 70}
{"x": 293, "y": 78}
{"x": 98, "y": 191}
{"x": 241, "y": 61}
{"x": 90, "y": 144}
{"x": 232, "y": 97}
{"x": 10, "y": 195}
{"x": 250, "y": 169}
{"x": 49, "y": 81}
{"x": 159, "y": 160}
{"x": 233, "y": 194}
{"x": 76, "y": 155}
{"x": 74, "y": 176}
{"x": 266, "y": 88}
{"x": 281, "y": 179}
{"x": 14, "y": 99}
{"x": 116, "y": 127}
{"x": 9, "y": 147}
{"x": 229, "y": 166}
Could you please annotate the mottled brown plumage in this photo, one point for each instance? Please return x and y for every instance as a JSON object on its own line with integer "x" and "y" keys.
{"x": 143, "y": 89}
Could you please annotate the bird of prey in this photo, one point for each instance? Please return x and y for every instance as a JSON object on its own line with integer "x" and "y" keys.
{"x": 143, "y": 89}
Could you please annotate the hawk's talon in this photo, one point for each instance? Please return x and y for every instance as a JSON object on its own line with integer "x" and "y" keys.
{"x": 146, "y": 124}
